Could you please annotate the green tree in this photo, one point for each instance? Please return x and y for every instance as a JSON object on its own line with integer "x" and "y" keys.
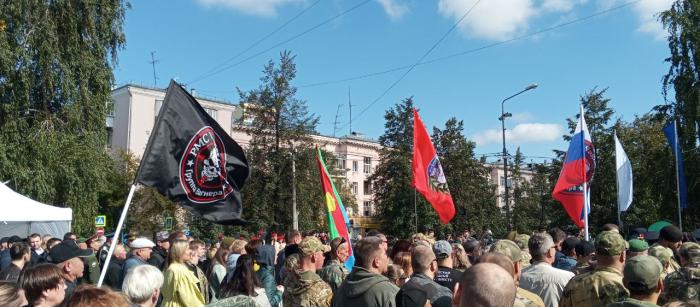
{"x": 281, "y": 128}
{"x": 56, "y": 60}
{"x": 681, "y": 89}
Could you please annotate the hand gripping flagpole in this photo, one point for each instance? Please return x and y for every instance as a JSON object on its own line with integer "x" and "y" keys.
{"x": 116, "y": 235}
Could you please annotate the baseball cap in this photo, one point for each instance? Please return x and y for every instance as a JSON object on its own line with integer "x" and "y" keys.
{"x": 411, "y": 297}
{"x": 690, "y": 251}
{"x": 637, "y": 245}
{"x": 521, "y": 241}
{"x": 642, "y": 273}
{"x": 311, "y": 244}
{"x": 661, "y": 253}
{"x": 671, "y": 233}
{"x": 67, "y": 250}
{"x": 226, "y": 242}
{"x": 442, "y": 249}
{"x": 142, "y": 242}
{"x": 507, "y": 248}
{"x": 610, "y": 243}
{"x": 162, "y": 236}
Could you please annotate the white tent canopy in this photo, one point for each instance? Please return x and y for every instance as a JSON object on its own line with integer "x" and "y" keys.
{"x": 22, "y": 216}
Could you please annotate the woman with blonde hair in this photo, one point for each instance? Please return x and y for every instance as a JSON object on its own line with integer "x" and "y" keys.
{"x": 180, "y": 287}
{"x": 11, "y": 295}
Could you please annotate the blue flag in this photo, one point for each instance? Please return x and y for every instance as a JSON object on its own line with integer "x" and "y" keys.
{"x": 672, "y": 135}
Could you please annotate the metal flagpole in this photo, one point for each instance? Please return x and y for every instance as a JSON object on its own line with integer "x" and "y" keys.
{"x": 678, "y": 182}
{"x": 415, "y": 207}
{"x": 617, "y": 184}
{"x": 116, "y": 235}
{"x": 585, "y": 181}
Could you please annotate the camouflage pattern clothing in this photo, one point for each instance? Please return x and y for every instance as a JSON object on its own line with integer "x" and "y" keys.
{"x": 630, "y": 302}
{"x": 600, "y": 287}
{"x": 582, "y": 268}
{"x": 674, "y": 266}
{"x": 334, "y": 274}
{"x": 307, "y": 289}
{"x": 525, "y": 259}
{"x": 524, "y": 298}
{"x": 683, "y": 285}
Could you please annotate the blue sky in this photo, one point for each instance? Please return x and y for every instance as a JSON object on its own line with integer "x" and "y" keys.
{"x": 623, "y": 50}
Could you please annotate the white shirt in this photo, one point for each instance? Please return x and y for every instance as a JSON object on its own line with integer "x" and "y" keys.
{"x": 546, "y": 281}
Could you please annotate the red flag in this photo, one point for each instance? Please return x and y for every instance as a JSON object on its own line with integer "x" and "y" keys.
{"x": 428, "y": 177}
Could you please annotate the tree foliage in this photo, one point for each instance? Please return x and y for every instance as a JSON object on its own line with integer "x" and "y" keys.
{"x": 56, "y": 61}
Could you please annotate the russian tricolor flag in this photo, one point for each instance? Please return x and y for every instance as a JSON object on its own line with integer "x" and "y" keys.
{"x": 578, "y": 168}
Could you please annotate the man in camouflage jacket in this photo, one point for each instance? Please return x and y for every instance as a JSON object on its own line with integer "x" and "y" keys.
{"x": 684, "y": 284}
{"x": 304, "y": 287}
{"x": 335, "y": 272}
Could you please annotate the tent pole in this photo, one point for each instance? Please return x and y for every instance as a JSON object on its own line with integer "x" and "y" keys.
{"x": 116, "y": 236}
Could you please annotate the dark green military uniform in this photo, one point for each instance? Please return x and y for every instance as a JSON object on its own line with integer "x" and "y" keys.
{"x": 684, "y": 284}
{"x": 306, "y": 288}
{"x": 630, "y": 302}
{"x": 334, "y": 274}
{"x": 603, "y": 285}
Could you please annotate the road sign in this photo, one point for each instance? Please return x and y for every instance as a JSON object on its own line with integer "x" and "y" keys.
{"x": 100, "y": 231}
{"x": 168, "y": 224}
{"x": 100, "y": 221}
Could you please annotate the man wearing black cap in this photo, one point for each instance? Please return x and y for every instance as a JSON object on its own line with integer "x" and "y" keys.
{"x": 670, "y": 238}
{"x": 5, "y": 258}
{"x": 446, "y": 276}
{"x": 68, "y": 257}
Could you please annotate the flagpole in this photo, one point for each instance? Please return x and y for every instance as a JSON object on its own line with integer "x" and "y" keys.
{"x": 415, "y": 207}
{"x": 116, "y": 235}
{"x": 678, "y": 182}
{"x": 617, "y": 184}
{"x": 585, "y": 180}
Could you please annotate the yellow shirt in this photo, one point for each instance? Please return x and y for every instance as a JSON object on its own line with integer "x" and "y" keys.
{"x": 180, "y": 287}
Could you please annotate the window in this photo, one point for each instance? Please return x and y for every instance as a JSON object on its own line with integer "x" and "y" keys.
{"x": 353, "y": 188}
{"x": 340, "y": 163}
{"x": 510, "y": 182}
{"x": 211, "y": 112}
{"x": 367, "y": 210}
{"x": 355, "y": 166}
{"x": 110, "y": 109}
{"x": 110, "y": 135}
{"x": 159, "y": 104}
{"x": 367, "y": 187}
{"x": 368, "y": 165}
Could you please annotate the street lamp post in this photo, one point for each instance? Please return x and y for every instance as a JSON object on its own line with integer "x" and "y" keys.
{"x": 505, "y": 153}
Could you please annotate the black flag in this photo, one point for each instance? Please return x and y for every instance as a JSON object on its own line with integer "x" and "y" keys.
{"x": 193, "y": 161}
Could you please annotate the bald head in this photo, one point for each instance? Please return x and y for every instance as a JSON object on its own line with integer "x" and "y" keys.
{"x": 486, "y": 284}
{"x": 421, "y": 258}
{"x": 499, "y": 259}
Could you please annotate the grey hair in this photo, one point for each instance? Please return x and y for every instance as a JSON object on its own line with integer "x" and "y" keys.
{"x": 141, "y": 282}
{"x": 539, "y": 244}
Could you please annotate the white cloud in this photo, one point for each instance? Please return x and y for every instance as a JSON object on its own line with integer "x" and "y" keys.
{"x": 523, "y": 117}
{"x": 252, "y": 7}
{"x": 521, "y": 134}
{"x": 560, "y": 5}
{"x": 490, "y": 19}
{"x": 648, "y": 12}
{"x": 394, "y": 9}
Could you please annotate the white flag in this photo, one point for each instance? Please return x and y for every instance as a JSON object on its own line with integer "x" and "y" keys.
{"x": 624, "y": 177}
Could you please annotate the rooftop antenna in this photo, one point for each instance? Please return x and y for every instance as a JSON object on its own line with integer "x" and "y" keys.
{"x": 153, "y": 63}
{"x": 350, "y": 105}
{"x": 335, "y": 124}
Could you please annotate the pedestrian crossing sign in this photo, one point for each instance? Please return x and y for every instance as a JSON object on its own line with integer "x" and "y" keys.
{"x": 100, "y": 221}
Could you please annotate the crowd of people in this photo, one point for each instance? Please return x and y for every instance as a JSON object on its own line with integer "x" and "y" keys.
{"x": 542, "y": 268}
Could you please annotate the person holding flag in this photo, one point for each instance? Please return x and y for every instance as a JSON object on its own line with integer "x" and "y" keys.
{"x": 573, "y": 186}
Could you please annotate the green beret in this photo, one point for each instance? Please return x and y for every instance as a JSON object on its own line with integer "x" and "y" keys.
{"x": 637, "y": 245}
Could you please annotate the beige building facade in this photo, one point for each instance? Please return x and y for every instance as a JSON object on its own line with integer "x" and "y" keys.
{"x": 134, "y": 109}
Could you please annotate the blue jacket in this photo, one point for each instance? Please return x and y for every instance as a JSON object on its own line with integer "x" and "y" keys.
{"x": 130, "y": 262}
